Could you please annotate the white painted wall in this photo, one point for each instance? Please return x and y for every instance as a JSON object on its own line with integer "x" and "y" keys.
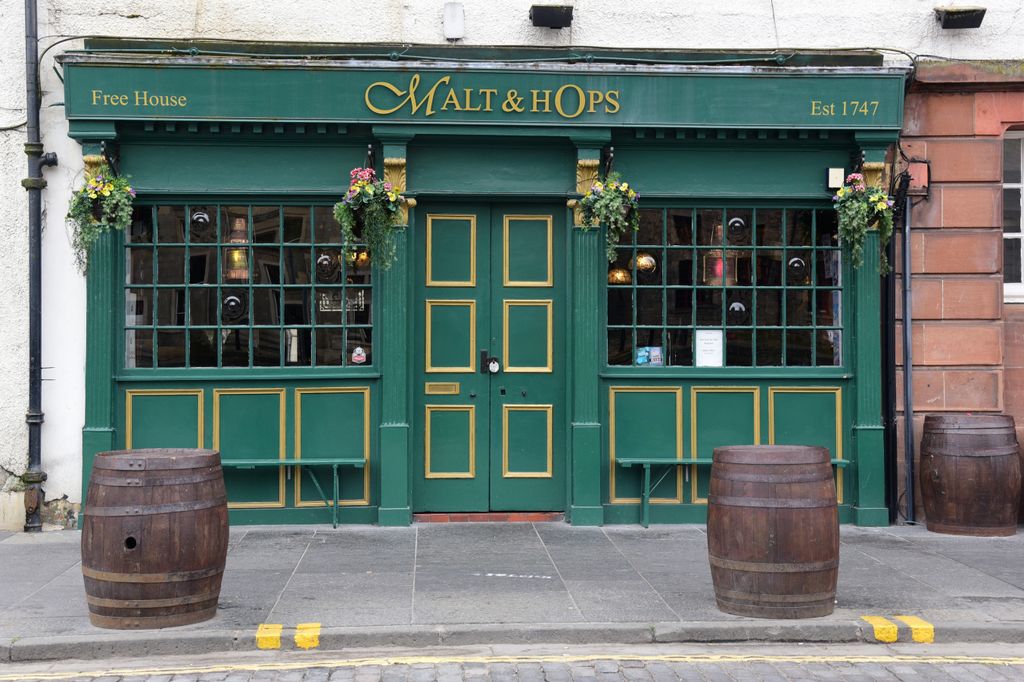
{"x": 906, "y": 25}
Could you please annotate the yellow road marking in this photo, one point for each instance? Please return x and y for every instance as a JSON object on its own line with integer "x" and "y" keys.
{"x": 885, "y": 629}
{"x": 922, "y": 630}
{"x": 268, "y": 636}
{"x": 307, "y": 635}
{"x": 611, "y": 655}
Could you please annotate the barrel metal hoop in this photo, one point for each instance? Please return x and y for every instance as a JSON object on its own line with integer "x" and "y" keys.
{"x": 1007, "y": 451}
{"x": 811, "y": 477}
{"x": 770, "y": 503}
{"x": 765, "y": 567}
{"x": 211, "y": 475}
{"x": 155, "y": 621}
{"x": 157, "y": 463}
{"x": 761, "y": 598}
{"x": 175, "y": 577}
{"x": 151, "y": 510}
{"x": 151, "y": 603}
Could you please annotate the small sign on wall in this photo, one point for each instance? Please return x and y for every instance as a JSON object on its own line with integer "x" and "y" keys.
{"x": 708, "y": 348}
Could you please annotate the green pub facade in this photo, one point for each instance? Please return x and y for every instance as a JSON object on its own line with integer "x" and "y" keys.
{"x": 502, "y": 363}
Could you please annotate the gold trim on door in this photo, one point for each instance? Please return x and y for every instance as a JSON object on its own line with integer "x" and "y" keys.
{"x": 534, "y": 303}
{"x": 506, "y": 279}
{"x": 130, "y": 394}
{"x": 427, "y": 473}
{"x": 431, "y": 282}
{"x": 299, "y": 392}
{"x": 282, "y": 448}
{"x": 470, "y": 366}
{"x": 678, "y": 391}
{"x": 838, "y": 392}
{"x": 441, "y": 388}
{"x": 505, "y": 472}
{"x": 694, "y": 392}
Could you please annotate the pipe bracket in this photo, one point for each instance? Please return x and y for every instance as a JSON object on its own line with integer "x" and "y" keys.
{"x": 33, "y": 183}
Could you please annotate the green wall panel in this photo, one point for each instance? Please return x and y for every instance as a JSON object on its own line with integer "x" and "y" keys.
{"x": 457, "y": 169}
{"x": 451, "y": 247}
{"x": 527, "y": 449}
{"x": 450, "y": 441}
{"x": 172, "y": 418}
{"x": 250, "y": 424}
{"x": 527, "y": 250}
{"x": 528, "y": 335}
{"x": 333, "y": 422}
{"x": 808, "y": 416}
{"x": 721, "y": 416}
{"x": 644, "y": 421}
{"x": 451, "y": 335}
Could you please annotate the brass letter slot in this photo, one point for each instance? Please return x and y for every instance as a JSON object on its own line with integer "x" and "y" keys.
{"x": 441, "y": 388}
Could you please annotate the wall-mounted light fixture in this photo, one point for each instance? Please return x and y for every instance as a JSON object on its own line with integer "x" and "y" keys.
{"x": 551, "y": 16}
{"x": 959, "y": 17}
{"x": 454, "y": 21}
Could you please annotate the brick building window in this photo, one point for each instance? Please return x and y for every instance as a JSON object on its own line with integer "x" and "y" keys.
{"x": 1013, "y": 227}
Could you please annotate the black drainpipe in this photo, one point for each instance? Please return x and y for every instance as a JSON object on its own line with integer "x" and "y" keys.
{"x": 34, "y": 183}
{"x": 908, "y": 370}
{"x": 889, "y": 401}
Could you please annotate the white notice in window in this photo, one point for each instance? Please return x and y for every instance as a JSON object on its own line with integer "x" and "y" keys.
{"x": 708, "y": 347}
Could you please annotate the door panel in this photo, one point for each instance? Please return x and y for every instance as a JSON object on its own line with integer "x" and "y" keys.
{"x": 489, "y": 290}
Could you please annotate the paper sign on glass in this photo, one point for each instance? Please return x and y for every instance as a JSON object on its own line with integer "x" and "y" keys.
{"x": 708, "y": 347}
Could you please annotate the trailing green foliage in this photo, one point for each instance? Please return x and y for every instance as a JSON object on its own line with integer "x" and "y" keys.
{"x": 103, "y": 203}
{"x": 613, "y": 204}
{"x": 859, "y": 207}
{"x": 374, "y": 206}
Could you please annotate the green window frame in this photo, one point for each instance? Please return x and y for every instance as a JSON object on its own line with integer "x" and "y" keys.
{"x": 243, "y": 285}
{"x": 769, "y": 278}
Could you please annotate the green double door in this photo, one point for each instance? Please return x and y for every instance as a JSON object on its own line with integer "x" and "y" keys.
{"x": 490, "y": 406}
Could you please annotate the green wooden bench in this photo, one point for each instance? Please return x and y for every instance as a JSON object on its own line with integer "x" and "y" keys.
{"x": 307, "y": 465}
{"x": 647, "y": 462}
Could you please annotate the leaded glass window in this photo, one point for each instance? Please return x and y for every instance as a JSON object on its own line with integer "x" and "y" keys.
{"x": 762, "y": 286}
{"x": 238, "y": 285}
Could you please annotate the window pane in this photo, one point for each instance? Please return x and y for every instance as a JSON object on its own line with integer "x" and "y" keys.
{"x": 1011, "y": 209}
{"x": 769, "y": 347}
{"x": 171, "y": 265}
{"x": 679, "y": 267}
{"x": 266, "y": 306}
{"x": 202, "y": 225}
{"x": 620, "y": 346}
{"x": 649, "y": 351}
{"x": 709, "y": 227}
{"x": 827, "y": 227}
{"x": 202, "y": 348}
{"x": 296, "y": 225}
{"x": 709, "y": 307}
{"x": 738, "y": 307}
{"x": 141, "y": 229}
{"x": 798, "y": 348}
{"x": 1011, "y": 159}
{"x": 680, "y": 307}
{"x": 830, "y": 308}
{"x": 266, "y": 222}
{"x": 296, "y": 346}
{"x": 171, "y": 346}
{"x": 768, "y": 231}
{"x": 739, "y": 348}
{"x": 680, "y": 227}
{"x": 202, "y": 265}
{"x": 830, "y": 348}
{"x": 203, "y": 302}
{"x": 829, "y": 270}
{"x": 650, "y": 227}
{"x": 138, "y": 348}
{"x": 171, "y": 224}
{"x": 620, "y": 305}
{"x": 359, "y": 347}
{"x": 234, "y": 350}
{"x": 769, "y": 269}
{"x": 798, "y": 308}
{"x": 234, "y": 307}
{"x": 648, "y": 306}
{"x": 738, "y": 226}
{"x": 329, "y": 308}
{"x": 328, "y": 266}
{"x": 798, "y": 268}
{"x": 329, "y": 346}
{"x": 297, "y": 265}
{"x": 296, "y": 307}
{"x": 171, "y": 309}
{"x": 647, "y": 266}
{"x": 328, "y": 231}
{"x": 769, "y": 307}
{"x": 359, "y": 306}
{"x": 1011, "y": 261}
{"x": 138, "y": 307}
{"x": 266, "y": 267}
{"x": 680, "y": 347}
{"x": 798, "y": 227}
{"x": 266, "y": 347}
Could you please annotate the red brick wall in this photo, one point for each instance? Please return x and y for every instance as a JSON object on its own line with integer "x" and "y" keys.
{"x": 965, "y": 357}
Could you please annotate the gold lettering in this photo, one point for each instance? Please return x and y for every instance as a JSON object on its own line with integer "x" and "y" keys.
{"x": 452, "y": 99}
{"x": 536, "y": 100}
{"x": 611, "y": 102}
{"x": 467, "y": 106}
{"x": 140, "y": 98}
{"x": 409, "y": 96}
{"x": 579, "y": 94}
{"x": 595, "y": 97}
{"x": 487, "y": 97}
{"x": 95, "y": 96}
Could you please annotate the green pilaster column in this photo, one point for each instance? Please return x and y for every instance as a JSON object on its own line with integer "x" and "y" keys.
{"x": 868, "y": 428}
{"x": 101, "y": 311}
{"x": 395, "y": 487}
{"x": 588, "y": 262}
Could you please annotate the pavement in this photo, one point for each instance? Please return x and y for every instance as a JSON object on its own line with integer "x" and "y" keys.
{"x": 513, "y": 583}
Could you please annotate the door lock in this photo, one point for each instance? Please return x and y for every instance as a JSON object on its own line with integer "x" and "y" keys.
{"x": 489, "y": 364}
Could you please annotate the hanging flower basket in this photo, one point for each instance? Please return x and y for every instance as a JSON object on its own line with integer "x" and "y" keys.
{"x": 372, "y": 206}
{"x": 613, "y": 204}
{"x": 859, "y": 208}
{"x": 103, "y": 203}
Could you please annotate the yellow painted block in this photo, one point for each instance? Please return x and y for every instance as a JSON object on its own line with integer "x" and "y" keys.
{"x": 885, "y": 629}
{"x": 307, "y": 635}
{"x": 920, "y": 629}
{"x": 268, "y": 636}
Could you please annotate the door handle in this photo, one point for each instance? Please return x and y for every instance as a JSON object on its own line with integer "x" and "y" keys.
{"x": 488, "y": 363}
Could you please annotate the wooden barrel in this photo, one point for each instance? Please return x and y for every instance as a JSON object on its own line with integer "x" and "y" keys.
{"x": 970, "y": 474}
{"x": 154, "y": 537}
{"x": 773, "y": 531}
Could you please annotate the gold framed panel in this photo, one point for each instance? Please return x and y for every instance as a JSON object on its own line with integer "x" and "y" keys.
{"x": 549, "y": 411}
{"x": 549, "y": 281}
{"x": 430, "y": 281}
{"x": 365, "y": 391}
{"x": 696, "y": 391}
{"x": 470, "y": 367}
{"x": 282, "y": 449}
{"x": 130, "y": 394}
{"x": 508, "y": 304}
{"x": 441, "y": 388}
{"x": 471, "y": 409}
{"x": 837, "y": 391}
{"x": 612, "y": 391}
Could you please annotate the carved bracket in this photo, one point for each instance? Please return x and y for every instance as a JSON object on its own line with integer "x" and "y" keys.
{"x": 394, "y": 172}
{"x": 586, "y": 175}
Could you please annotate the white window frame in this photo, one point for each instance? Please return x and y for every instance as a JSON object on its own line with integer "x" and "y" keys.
{"x": 1013, "y": 292}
